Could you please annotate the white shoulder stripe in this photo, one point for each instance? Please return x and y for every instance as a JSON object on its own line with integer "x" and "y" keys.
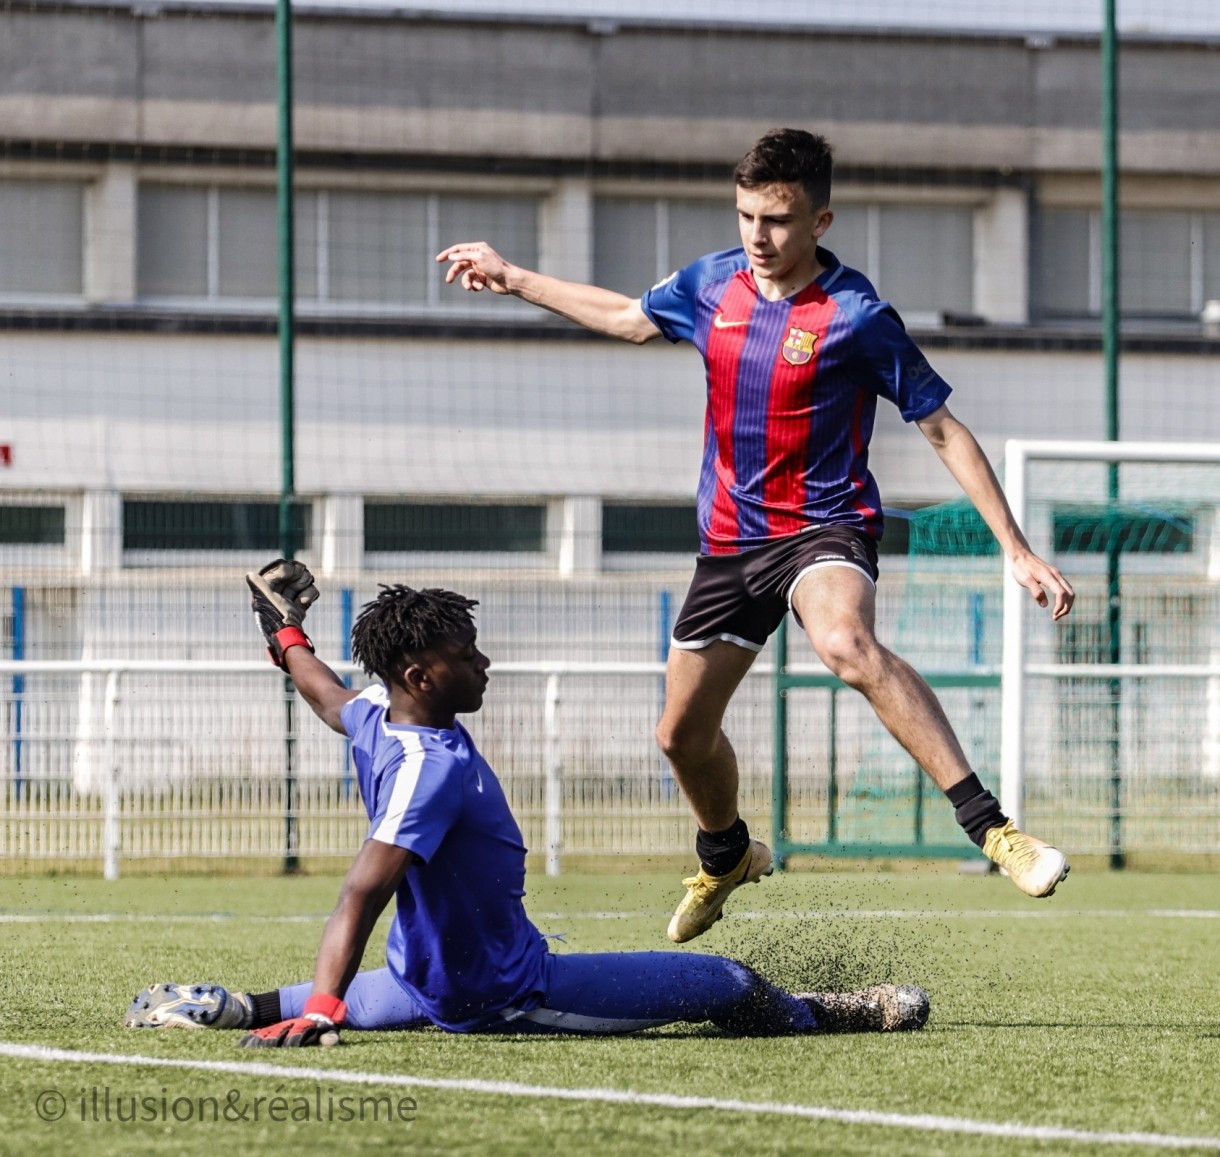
{"x": 405, "y": 783}
{"x": 376, "y": 693}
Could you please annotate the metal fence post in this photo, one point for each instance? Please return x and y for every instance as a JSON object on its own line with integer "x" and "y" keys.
{"x": 110, "y": 821}
{"x": 554, "y": 789}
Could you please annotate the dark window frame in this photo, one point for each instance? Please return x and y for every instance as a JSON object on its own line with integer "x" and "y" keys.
{"x": 418, "y": 527}
{"x": 665, "y": 536}
{"x": 33, "y": 524}
{"x": 225, "y": 524}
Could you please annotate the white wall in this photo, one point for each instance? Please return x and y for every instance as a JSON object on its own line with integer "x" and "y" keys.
{"x": 493, "y": 417}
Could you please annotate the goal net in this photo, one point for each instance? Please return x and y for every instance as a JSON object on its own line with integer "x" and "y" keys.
{"x": 1111, "y": 717}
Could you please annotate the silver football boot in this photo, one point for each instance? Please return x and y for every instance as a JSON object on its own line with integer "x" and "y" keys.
{"x": 881, "y": 1008}
{"x": 189, "y": 1006}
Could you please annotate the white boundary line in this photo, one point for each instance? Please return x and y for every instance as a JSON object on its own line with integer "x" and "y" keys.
{"x": 142, "y": 918}
{"x": 815, "y": 914}
{"x": 918, "y": 1122}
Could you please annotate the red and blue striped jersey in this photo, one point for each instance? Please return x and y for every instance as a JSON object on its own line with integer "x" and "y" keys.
{"x": 792, "y": 390}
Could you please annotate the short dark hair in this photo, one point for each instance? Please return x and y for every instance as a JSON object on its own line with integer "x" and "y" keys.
{"x": 401, "y": 622}
{"x": 791, "y": 157}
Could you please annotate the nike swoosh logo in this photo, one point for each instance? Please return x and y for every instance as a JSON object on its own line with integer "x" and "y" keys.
{"x": 719, "y": 322}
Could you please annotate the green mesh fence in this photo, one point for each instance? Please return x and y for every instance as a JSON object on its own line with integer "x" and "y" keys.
{"x": 472, "y": 441}
{"x": 950, "y": 530}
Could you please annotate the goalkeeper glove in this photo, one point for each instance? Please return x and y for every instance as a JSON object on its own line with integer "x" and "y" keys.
{"x": 280, "y": 594}
{"x": 318, "y": 1024}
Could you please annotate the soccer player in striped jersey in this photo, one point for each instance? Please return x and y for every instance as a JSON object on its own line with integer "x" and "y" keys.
{"x": 444, "y": 846}
{"x": 798, "y": 349}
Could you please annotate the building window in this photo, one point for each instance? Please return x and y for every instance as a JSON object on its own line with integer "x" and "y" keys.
{"x": 639, "y": 240}
{"x": 1169, "y": 262}
{"x": 38, "y": 525}
{"x": 1209, "y": 253}
{"x": 374, "y": 247}
{"x": 189, "y": 524}
{"x": 920, "y": 257}
{"x": 173, "y": 236}
{"x": 353, "y": 248}
{"x": 1063, "y": 272}
{"x": 1155, "y": 263}
{"x": 247, "y": 242}
{"x": 447, "y": 526}
{"x": 649, "y": 528}
{"x": 41, "y": 238}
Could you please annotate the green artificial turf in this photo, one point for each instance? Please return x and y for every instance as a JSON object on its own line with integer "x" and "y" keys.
{"x": 1095, "y": 1010}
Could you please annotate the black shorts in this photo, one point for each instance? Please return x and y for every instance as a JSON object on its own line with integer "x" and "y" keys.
{"x": 741, "y": 598}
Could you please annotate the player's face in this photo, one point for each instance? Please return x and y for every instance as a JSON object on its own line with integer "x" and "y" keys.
{"x": 458, "y": 670}
{"x": 780, "y": 231}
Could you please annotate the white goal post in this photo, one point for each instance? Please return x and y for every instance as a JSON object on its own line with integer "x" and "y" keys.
{"x": 1015, "y": 668}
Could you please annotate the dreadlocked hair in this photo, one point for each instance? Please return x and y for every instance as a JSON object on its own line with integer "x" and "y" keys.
{"x": 401, "y": 622}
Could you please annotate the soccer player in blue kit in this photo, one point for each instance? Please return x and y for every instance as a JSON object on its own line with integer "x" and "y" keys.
{"x": 443, "y": 845}
{"x": 797, "y": 348}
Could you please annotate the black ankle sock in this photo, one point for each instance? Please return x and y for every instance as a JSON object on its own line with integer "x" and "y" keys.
{"x": 975, "y": 808}
{"x": 721, "y": 852}
{"x": 266, "y": 1008}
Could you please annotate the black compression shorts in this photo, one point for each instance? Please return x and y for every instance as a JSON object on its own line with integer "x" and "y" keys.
{"x": 741, "y": 598}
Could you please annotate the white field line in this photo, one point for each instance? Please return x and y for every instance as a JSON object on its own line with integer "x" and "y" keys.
{"x": 911, "y": 1121}
{"x": 815, "y": 914}
{"x": 148, "y": 918}
{"x": 915, "y": 914}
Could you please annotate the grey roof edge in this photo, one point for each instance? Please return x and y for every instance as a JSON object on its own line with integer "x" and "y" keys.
{"x": 607, "y": 18}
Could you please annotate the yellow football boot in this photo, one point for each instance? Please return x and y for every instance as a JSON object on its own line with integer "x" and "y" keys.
{"x": 705, "y": 895}
{"x": 1032, "y": 864}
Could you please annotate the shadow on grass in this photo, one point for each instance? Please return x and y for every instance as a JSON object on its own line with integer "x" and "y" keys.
{"x": 1067, "y": 1024}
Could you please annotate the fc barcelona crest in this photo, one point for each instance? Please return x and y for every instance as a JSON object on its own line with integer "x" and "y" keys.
{"x": 798, "y": 346}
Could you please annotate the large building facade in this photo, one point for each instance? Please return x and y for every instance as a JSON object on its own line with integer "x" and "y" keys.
{"x": 467, "y": 440}
{"x": 138, "y": 273}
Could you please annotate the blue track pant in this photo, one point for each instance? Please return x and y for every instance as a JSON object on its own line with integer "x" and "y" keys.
{"x": 607, "y": 992}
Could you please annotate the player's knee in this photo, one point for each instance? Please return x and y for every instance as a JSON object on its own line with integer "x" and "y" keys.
{"x": 745, "y": 979}
{"x": 683, "y": 741}
{"x": 755, "y": 1008}
{"x": 849, "y": 651}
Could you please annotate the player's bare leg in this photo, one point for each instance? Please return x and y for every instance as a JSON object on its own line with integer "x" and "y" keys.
{"x": 698, "y": 687}
{"x": 837, "y": 607}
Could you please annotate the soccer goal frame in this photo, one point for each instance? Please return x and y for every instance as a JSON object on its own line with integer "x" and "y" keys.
{"x": 1016, "y": 670}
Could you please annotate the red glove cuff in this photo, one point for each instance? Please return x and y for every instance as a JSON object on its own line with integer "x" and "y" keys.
{"x": 330, "y": 1007}
{"x": 285, "y": 638}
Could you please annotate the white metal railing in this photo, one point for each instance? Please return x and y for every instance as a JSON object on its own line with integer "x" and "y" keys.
{"x": 114, "y": 670}
{"x": 96, "y": 735}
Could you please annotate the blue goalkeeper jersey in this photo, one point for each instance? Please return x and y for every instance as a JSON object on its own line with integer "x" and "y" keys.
{"x": 461, "y": 943}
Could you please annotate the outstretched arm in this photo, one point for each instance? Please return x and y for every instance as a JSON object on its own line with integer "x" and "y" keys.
{"x": 961, "y": 453}
{"x": 371, "y": 881}
{"x": 478, "y": 266}
{"x": 373, "y": 878}
{"x": 319, "y": 686}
